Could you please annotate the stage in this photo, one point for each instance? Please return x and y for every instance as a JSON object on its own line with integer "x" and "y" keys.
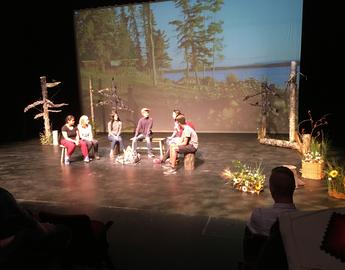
{"x": 195, "y": 210}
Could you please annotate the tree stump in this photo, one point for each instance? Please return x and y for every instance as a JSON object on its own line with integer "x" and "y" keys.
{"x": 189, "y": 160}
{"x": 306, "y": 140}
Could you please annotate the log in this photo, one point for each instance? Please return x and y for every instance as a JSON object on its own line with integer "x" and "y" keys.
{"x": 280, "y": 143}
{"x": 189, "y": 161}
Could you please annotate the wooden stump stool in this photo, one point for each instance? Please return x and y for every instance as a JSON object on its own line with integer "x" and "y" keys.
{"x": 63, "y": 153}
{"x": 189, "y": 160}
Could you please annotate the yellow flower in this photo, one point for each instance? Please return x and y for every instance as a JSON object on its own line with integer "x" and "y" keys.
{"x": 333, "y": 173}
{"x": 258, "y": 186}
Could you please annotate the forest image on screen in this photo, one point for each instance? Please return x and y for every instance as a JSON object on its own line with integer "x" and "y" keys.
{"x": 210, "y": 59}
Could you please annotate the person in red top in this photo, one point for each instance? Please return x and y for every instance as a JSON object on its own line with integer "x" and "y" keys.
{"x": 71, "y": 139}
{"x": 177, "y": 133}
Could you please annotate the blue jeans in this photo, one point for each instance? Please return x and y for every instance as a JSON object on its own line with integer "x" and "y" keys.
{"x": 141, "y": 137}
{"x": 114, "y": 139}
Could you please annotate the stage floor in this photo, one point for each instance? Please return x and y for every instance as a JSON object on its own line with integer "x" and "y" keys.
{"x": 190, "y": 220}
{"x": 33, "y": 173}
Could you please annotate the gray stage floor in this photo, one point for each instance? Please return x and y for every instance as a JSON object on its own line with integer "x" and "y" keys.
{"x": 183, "y": 221}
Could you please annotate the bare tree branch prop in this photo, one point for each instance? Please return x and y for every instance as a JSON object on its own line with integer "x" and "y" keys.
{"x": 314, "y": 125}
{"x": 53, "y": 84}
{"x": 39, "y": 115}
{"x": 32, "y": 105}
{"x": 112, "y": 98}
{"x": 54, "y": 110}
{"x": 46, "y": 105}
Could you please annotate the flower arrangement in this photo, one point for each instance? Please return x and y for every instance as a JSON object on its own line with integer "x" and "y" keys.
{"x": 317, "y": 151}
{"x": 315, "y": 146}
{"x": 245, "y": 178}
{"x": 335, "y": 176}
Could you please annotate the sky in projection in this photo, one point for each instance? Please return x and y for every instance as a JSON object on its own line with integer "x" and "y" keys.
{"x": 254, "y": 31}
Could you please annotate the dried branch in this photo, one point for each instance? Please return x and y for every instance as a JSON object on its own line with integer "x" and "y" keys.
{"x": 110, "y": 97}
{"x": 38, "y": 115}
{"x": 50, "y": 85}
{"x": 32, "y": 105}
{"x": 54, "y": 110}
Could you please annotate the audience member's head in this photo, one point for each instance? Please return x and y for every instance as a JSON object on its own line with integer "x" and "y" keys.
{"x": 282, "y": 184}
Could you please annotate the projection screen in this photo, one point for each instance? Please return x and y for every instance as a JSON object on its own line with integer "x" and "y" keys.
{"x": 210, "y": 59}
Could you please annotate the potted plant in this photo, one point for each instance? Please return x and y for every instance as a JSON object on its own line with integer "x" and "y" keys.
{"x": 313, "y": 148}
{"x": 335, "y": 176}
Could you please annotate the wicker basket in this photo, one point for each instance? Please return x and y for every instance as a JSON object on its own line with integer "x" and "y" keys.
{"x": 312, "y": 170}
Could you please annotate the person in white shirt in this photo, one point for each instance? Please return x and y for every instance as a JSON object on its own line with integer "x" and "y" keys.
{"x": 86, "y": 134}
{"x": 188, "y": 143}
{"x": 282, "y": 187}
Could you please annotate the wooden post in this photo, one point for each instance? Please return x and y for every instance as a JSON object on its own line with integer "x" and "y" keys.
{"x": 91, "y": 103}
{"x": 102, "y": 109}
{"x": 47, "y": 131}
{"x": 264, "y": 113}
{"x": 293, "y": 89}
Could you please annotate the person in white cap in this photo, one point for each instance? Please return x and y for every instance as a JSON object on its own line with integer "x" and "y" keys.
{"x": 144, "y": 131}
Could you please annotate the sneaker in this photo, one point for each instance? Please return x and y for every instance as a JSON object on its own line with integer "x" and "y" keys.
{"x": 67, "y": 161}
{"x": 167, "y": 166}
{"x": 97, "y": 157}
{"x": 170, "y": 171}
{"x": 151, "y": 155}
{"x": 87, "y": 159}
{"x": 157, "y": 161}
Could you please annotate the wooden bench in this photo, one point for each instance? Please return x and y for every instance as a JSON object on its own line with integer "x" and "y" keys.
{"x": 160, "y": 147}
{"x": 189, "y": 161}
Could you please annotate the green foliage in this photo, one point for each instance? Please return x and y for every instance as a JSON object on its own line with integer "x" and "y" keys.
{"x": 46, "y": 140}
{"x": 335, "y": 175}
{"x": 198, "y": 32}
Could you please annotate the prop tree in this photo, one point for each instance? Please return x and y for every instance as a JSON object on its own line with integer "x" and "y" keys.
{"x": 266, "y": 108}
{"x": 47, "y": 106}
{"x": 109, "y": 96}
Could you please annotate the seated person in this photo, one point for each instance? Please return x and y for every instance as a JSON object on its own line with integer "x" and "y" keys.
{"x": 177, "y": 131}
{"x": 175, "y": 137}
{"x": 188, "y": 143}
{"x": 70, "y": 139}
{"x": 23, "y": 239}
{"x": 144, "y": 131}
{"x": 86, "y": 134}
{"x": 114, "y": 133}
{"x": 282, "y": 187}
